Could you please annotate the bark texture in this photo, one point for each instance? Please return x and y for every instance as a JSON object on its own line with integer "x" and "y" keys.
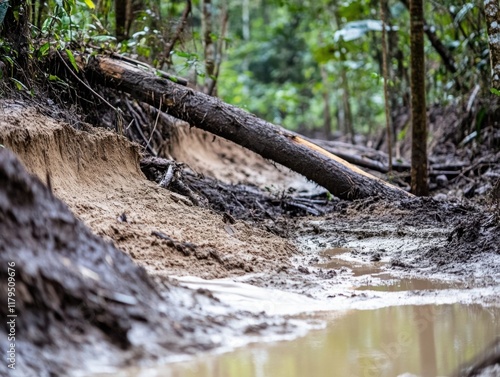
{"x": 211, "y": 114}
{"x": 419, "y": 183}
{"x": 492, "y": 13}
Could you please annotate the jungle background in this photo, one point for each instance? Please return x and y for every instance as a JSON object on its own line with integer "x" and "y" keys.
{"x": 312, "y": 66}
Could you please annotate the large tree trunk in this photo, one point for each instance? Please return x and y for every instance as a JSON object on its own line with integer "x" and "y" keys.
{"x": 419, "y": 184}
{"x": 16, "y": 32}
{"x": 492, "y": 12}
{"x": 211, "y": 114}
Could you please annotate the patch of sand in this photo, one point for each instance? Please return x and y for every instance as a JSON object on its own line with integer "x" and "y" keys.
{"x": 96, "y": 173}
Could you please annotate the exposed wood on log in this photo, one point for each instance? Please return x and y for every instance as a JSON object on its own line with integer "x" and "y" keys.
{"x": 301, "y": 141}
{"x": 178, "y": 80}
{"x": 232, "y": 123}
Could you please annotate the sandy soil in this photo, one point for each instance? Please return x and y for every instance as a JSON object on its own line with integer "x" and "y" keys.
{"x": 96, "y": 173}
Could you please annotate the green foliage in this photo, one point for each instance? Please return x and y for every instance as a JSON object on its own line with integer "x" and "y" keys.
{"x": 7, "y": 56}
{"x": 70, "y": 20}
{"x": 72, "y": 59}
{"x": 495, "y": 91}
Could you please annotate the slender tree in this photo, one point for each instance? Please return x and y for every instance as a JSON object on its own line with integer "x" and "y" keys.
{"x": 177, "y": 36}
{"x": 492, "y": 13}
{"x": 122, "y": 8}
{"x": 327, "y": 113}
{"x": 385, "y": 70}
{"x": 419, "y": 174}
{"x": 208, "y": 43}
{"x": 15, "y": 31}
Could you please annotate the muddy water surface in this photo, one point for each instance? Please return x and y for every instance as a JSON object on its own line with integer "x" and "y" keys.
{"x": 421, "y": 340}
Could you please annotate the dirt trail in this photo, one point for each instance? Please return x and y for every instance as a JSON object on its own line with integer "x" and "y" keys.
{"x": 96, "y": 173}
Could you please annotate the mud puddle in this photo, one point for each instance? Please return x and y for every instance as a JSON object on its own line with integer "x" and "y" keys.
{"x": 424, "y": 340}
{"x": 378, "y": 279}
{"x": 388, "y": 283}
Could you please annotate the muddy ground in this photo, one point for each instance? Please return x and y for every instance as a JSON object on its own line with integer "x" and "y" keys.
{"x": 105, "y": 274}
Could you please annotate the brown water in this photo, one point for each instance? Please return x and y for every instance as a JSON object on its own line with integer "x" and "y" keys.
{"x": 422, "y": 340}
{"x": 388, "y": 283}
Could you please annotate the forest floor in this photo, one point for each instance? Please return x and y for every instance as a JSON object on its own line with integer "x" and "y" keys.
{"x": 263, "y": 225}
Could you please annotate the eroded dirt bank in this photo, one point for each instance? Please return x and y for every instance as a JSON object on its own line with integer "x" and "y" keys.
{"x": 97, "y": 174}
{"x": 80, "y": 303}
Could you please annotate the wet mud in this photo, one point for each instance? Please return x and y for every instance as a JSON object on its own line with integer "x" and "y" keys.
{"x": 80, "y": 303}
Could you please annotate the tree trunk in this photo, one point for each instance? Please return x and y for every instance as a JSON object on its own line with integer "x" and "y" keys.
{"x": 385, "y": 72}
{"x": 327, "y": 113}
{"x": 349, "y": 129}
{"x": 211, "y": 114}
{"x": 121, "y": 7}
{"x": 492, "y": 12}
{"x": 15, "y": 31}
{"x": 419, "y": 184}
{"x": 441, "y": 49}
{"x": 208, "y": 45}
{"x": 167, "y": 58}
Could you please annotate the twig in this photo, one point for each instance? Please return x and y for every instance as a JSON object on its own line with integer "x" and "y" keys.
{"x": 213, "y": 82}
{"x": 473, "y": 97}
{"x": 154, "y": 128}
{"x": 178, "y": 32}
{"x": 86, "y": 85}
{"x": 138, "y": 127}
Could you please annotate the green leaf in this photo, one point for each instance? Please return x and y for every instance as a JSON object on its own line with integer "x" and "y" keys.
{"x": 19, "y": 84}
{"x": 9, "y": 60}
{"x": 72, "y": 59}
{"x": 103, "y": 38}
{"x": 495, "y": 91}
{"x": 44, "y": 49}
{"x": 182, "y": 54}
{"x": 90, "y": 4}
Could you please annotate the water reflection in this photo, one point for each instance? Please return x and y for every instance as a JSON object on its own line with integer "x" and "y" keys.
{"x": 385, "y": 281}
{"x": 421, "y": 340}
{"x": 390, "y": 284}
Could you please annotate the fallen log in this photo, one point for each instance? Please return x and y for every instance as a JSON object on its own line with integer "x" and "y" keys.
{"x": 270, "y": 141}
{"x": 365, "y": 159}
